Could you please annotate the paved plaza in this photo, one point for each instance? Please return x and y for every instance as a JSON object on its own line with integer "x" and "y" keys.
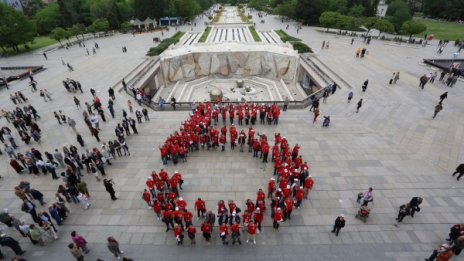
{"x": 392, "y": 144}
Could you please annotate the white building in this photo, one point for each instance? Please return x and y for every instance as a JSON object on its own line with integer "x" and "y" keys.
{"x": 382, "y": 8}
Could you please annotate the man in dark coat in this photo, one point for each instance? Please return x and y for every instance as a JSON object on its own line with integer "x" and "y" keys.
{"x": 460, "y": 170}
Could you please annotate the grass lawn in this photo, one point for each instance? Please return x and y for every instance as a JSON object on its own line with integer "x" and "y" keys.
{"x": 39, "y": 42}
{"x": 443, "y": 30}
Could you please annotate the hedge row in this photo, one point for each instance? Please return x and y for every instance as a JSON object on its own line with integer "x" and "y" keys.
{"x": 163, "y": 45}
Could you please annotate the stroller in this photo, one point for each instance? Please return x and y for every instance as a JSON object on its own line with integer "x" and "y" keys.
{"x": 363, "y": 213}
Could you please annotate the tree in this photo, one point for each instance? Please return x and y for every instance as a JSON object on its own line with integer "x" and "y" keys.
{"x": 76, "y": 30}
{"x": 32, "y": 7}
{"x": 47, "y": 18}
{"x": 106, "y": 9}
{"x": 413, "y": 27}
{"x": 340, "y": 6}
{"x": 287, "y": 8}
{"x": 260, "y": 5}
{"x": 384, "y": 25}
{"x": 125, "y": 9}
{"x": 99, "y": 25}
{"x": 186, "y": 8}
{"x": 356, "y": 11}
{"x": 15, "y": 28}
{"x": 398, "y": 13}
{"x": 58, "y": 34}
{"x": 310, "y": 10}
{"x": 150, "y": 8}
{"x": 329, "y": 19}
{"x": 370, "y": 23}
{"x": 74, "y": 11}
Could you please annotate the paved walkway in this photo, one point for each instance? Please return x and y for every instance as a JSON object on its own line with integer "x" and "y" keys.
{"x": 391, "y": 144}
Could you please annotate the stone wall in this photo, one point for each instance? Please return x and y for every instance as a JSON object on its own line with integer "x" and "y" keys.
{"x": 269, "y": 65}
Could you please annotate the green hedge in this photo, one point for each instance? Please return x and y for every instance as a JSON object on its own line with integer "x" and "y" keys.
{"x": 301, "y": 47}
{"x": 163, "y": 45}
{"x": 254, "y": 34}
{"x": 205, "y": 35}
{"x": 285, "y": 37}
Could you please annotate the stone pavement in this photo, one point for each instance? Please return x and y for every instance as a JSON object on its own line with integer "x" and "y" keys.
{"x": 391, "y": 144}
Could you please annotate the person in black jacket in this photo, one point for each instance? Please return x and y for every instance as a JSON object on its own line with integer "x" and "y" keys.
{"x": 109, "y": 187}
{"x": 414, "y": 203}
{"x": 339, "y": 223}
{"x": 11, "y": 243}
{"x": 460, "y": 170}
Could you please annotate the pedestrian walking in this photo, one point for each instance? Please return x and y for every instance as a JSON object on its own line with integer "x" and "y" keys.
{"x": 77, "y": 102}
{"x": 339, "y": 224}
{"x": 323, "y": 44}
{"x": 79, "y": 241}
{"x": 286, "y": 101}
{"x": 29, "y": 207}
{"x": 113, "y": 247}
{"x": 145, "y": 114}
{"x": 72, "y": 124}
{"x": 111, "y": 93}
{"x": 129, "y": 104}
{"x": 442, "y": 253}
{"x": 422, "y": 81}
{"x": 460, "y": 170}
{"x": 191, "y": 231}
{"x": 350, "y": 96}
{"x": 76, "y": 251}
{"x": 433, "y": 76}
{"x": 80, "y": 140}
{"x": 438, "y": 108}
{"x": 443, "y": 96}
{"x": 251, "y": 230}
{"x": 108, "y": 183}
{"x": 11, "y": 243}
{"x": 316, "y": 114}
{"x": 364, "y": 87}
{"x": 360, "y": 102}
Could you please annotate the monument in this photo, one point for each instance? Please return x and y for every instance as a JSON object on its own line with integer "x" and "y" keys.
{"x": 232, "y": 55}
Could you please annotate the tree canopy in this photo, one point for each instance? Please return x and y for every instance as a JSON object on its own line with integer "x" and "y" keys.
{"x": 47, "y": 18}
{"x": 15, "y": 28}
{"x": 413, "y": 27}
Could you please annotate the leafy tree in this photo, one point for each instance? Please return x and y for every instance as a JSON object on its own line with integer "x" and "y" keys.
{"x": 370, "y": 23}
{"x": 32, "y": 7}
{"x": 329, "y": 19}
{"x": 398, "y": 13}
{"x": 125, "y": 9}
{"x": 186, "y": 8}
{"x": 106, "y": 9}
{"x": 340, "y": 6}
{"x": 260, "y": 5}
{"x": 413, "y": 27}
{"x": 59, "y": 34}
{"x": 356, "y": 11}
{"x": 15, "y": 28}
{"x": 125, "y": 27}
{"x": 99, "y": 25}
{"x": 74, "y": 11}
{"x": 310, "y": 10}
{"x": 346, "y": 22}
{"x": 384, "y": 25}
{"x": 150, "y": 8}
{"x": 287, "y": 8}
{"x": 76, "y": 30}
{"x": 47, "y": 18}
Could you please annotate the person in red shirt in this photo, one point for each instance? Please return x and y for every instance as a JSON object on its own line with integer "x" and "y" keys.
{"x": 251, "y": 230}
{"x": 147, "y": 197}
{"x": 178, "y": 234}
{"x": 156, "y": 206}
{"x": 177, "y": 176}
{"x": 200, "y": 207}
{"x": 260, "y": 195}
{"x": 299, "y": 195}
{"x": 167, "y": 218}
{"x": 308, "y": 185}
{"x": 278, "y": 217}
{"x": 258, "y": 217}
{"x": 187, "y": 217}
{"x": 256, "y": 147}
{"x": 173, "y": 184}
{"x": 224, "y": 232}
{"x": 235, "y": 231}
{"x": 222, "y": 140}
{"x": 206, "y": 229}
{"x": 181, "y": 204}
{"x": 295, "y": 151}
{"x": 288, "y": 207}
{"x": 265, "y": 151}
{"x": 271, "y": 186}
{"x": 191, "y": 231}
{"x": 151, "y": 186}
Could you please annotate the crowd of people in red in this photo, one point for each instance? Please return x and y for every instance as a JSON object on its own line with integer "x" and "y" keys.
{"x": 198, "y": 130}
{"x": 286, "y": 190}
